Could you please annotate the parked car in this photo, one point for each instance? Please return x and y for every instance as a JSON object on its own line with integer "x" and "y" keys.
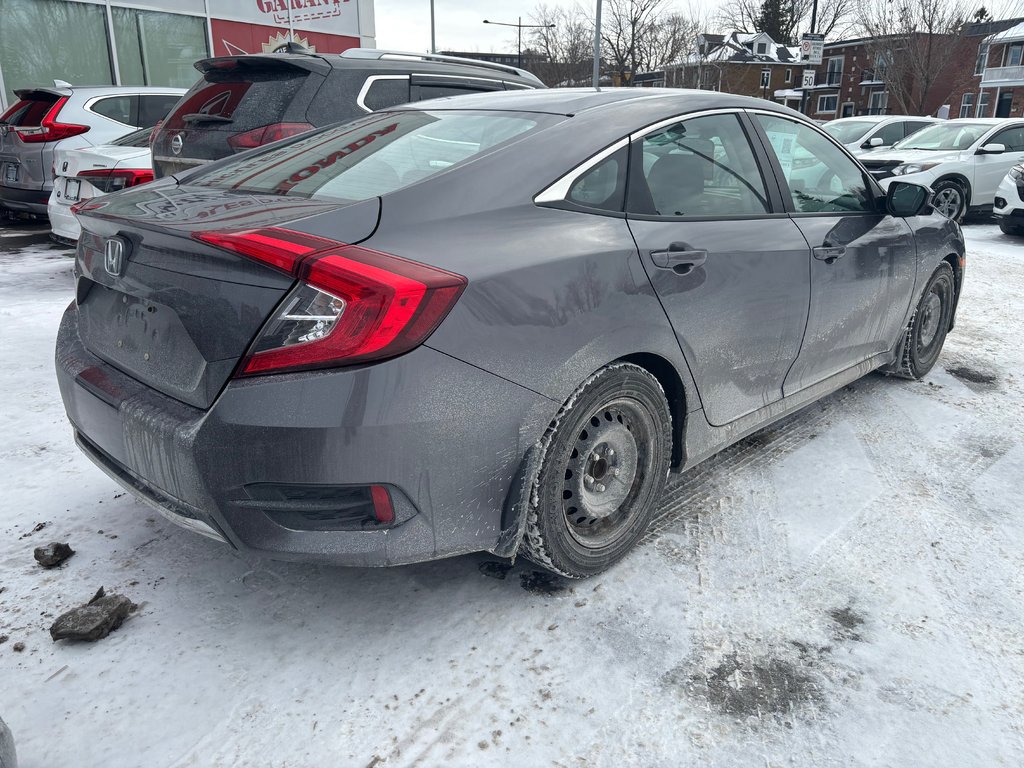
{"x": 82, "y": 174}
{"x": 355, "y": 347}
{"x": 1009, "y": 202}
{"x": 67, "y": 117}
{"x": 246, "y": 101}
{"x": 963, "y": 160}
{"x": 870, "y": 132}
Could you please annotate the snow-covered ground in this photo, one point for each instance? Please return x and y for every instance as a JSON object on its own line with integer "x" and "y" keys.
{"x": 845, "y": 588}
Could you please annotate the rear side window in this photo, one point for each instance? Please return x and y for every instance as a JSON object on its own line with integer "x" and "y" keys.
{"x": 373, "y": 156}
{"x": 117, "y": 108}
{"x": 28, "y": 112}
{"x": 604, "y": 186}
{"x": 424, "y": 92}
{"x": 154, "y": 107}
{"x": 134, "y": 139}
{"x": 241, "y": 99}
{"x": 382, "y": 93}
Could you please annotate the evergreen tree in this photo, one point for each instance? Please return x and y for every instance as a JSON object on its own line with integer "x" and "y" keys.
{"x": 774, "y": 18}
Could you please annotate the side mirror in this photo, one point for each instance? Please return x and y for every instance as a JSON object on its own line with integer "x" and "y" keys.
{"x": 903, "y": 199}
{"x": 874, "y": 142}
{"x": 992, "y": 149}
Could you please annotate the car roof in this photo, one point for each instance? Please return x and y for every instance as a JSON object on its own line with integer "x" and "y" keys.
{"x": 985, "y": 120}
{"x": 572, "y": 101}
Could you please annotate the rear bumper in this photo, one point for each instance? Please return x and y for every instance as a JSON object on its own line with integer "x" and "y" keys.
{"x": 63, "y": 223}
{"x": 25, "y": 200}
{"x": 445, "y": 437}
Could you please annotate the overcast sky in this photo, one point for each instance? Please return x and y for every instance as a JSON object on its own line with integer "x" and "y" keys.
{"x": 405, "y": 24}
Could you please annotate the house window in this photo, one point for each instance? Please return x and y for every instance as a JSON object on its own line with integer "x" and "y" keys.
{"x": 881, "y": 67}
{"x": 827, "y": 104}
{"x": 762, "y": 47}
{"x": 1013, "y": 55}
{"x": 789, "y": 75}
{"x": 834, "y": 73}
{"x": 982, "y": 62}
{"x": 965, "y": 105}
{"x": 982, "y": 105}
{"x": 878, "y": 102}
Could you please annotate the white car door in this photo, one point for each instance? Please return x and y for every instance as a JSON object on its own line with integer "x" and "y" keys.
{"x": 989, "y": 170}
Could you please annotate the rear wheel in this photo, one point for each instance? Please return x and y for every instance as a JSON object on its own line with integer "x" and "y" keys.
{"x": 950, "y": 200}
{"x": 927, "y": 330}
{"x": 605, "y": 460}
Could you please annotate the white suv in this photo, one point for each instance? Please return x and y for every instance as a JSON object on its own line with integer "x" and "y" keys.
{"x": 962, "y": 160}
{"x": 1009, "y": 205}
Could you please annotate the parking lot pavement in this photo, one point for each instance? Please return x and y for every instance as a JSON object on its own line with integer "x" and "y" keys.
{"x": 841, "y": 589}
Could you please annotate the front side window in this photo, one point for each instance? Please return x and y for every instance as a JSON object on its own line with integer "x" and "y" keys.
{"x": 1012, "y": 138}
{"x": 820, "y": 176}
{"x": 889, "y": 134}
{"x": 373, "y": 156}
{"x": 703, "y": 166}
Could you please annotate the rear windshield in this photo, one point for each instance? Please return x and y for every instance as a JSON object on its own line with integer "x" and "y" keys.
{"x": 238, "y": 99}
{"x": 134, "y": 139}
{"x": 29, "y": 112}
{"x": 372, "y": 156}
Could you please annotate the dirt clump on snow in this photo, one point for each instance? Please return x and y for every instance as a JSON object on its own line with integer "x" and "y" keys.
{"x": 540, "y": 583}
{"x": 848, "y": 621}
{"x": 94, "y": 620}
{"x": 965, "y": 373}
{"x": 53, "y": 554}
{"x": 495, "y": 569}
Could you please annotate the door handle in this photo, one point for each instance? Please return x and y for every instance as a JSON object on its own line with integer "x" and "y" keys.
{"x": 829, "y": 253}
{"x": 680, "y": 258}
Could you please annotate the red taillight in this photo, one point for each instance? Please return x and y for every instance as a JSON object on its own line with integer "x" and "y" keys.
{"x": 49, "y": 129}
{"x": 383, "y": 510}
{"x": 352, "y": 305}
{"x": 111, "y": 180}
{"x": 154, "y": 132}
{"x": 266, "y": 134}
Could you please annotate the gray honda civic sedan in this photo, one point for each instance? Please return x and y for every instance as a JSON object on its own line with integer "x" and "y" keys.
{"x": 487, "y": 323}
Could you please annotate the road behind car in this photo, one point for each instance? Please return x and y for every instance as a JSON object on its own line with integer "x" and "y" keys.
{"x": 840, "y": 589}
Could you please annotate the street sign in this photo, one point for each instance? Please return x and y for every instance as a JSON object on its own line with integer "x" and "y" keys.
{"x": 811, "y": 48}
{"x": 766, "y": 78}
{"x": 808, "y": 78}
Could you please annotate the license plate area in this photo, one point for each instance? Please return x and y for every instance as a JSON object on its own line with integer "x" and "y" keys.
{"x": 10, "y": 172}
{"x": 72, "y": 189}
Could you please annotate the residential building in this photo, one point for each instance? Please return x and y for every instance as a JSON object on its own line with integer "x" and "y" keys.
{"x": 996, "y": 85}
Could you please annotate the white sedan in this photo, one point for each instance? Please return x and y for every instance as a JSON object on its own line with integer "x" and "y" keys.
{"x": 81, "y": 174}
{"x": 962, "y": 160}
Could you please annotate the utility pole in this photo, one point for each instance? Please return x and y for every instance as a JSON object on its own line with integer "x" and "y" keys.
{"x": 520, "y": 26}
{"x": 597, "y": 47}
{"x": 433, "y": 40}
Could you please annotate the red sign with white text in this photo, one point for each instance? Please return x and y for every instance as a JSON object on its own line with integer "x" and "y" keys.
{"x": 233, "y": 38}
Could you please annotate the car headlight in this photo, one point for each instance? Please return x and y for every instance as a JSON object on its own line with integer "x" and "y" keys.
{"x": 903, "y": 170}
{"x": 1017, "y": 172}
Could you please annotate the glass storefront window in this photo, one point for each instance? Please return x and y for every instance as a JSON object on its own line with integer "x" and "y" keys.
{"x": 28, "y": 58}
{"x": 158, "y": 48}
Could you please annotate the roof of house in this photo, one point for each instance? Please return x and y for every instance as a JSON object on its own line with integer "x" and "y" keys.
{"x": 740, "y": 48}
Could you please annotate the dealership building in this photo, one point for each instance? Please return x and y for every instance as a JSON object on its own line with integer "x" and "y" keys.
{"x": 155, "y": 42}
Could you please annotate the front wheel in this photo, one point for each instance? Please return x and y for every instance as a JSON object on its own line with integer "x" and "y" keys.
{"x": 1009, "y": 228}
{"x": 605, "y": 460}
{"x": 927, "y": 330}
{"x": 950, "y": 200}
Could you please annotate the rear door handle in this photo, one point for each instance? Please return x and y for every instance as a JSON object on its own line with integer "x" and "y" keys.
{"x": 829, "y": 253}
{"x": 680, "y": 258}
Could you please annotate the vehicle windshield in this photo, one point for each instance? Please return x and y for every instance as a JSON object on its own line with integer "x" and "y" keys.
{"x": 944, "y": 136}
{"x": 848, "y": 132}
{"x": 371, "y": 156}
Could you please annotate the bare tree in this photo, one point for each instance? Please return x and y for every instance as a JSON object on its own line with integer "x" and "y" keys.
{"x": 835, "y": 18}
{"x": 642, "y": 35}
{"x": 914, "y": 41}
{"x": 568, "y": 47}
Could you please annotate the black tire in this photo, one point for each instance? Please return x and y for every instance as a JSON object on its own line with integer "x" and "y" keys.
{"x": 604, "y": 462}
{"x": 950, "y": 200}
{"x": 1009, "y": 228}
{"x": 926, "y": 333}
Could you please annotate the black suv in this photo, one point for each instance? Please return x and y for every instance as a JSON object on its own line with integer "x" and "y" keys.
{"x": 242, "y": 102}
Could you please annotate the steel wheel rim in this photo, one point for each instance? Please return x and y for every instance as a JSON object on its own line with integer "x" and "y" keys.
{"x": 947, "y": 202}
{"x": 606, "y": 470}
{"x": 931, "y": 314}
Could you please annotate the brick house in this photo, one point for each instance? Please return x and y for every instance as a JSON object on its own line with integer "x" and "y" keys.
{"x": 996, "y": 85}
{"x": 855, "y": 75}
{"x": 749, "y": 64}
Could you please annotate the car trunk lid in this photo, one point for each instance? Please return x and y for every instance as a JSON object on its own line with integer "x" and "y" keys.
{"x": 175, "y": 313}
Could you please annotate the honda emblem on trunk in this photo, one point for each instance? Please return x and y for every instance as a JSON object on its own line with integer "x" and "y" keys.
{"x": 177, "y": 143}
{"x": 113, "y": 256}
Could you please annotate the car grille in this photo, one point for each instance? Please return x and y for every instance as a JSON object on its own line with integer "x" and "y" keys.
{"x": 881, "y": 169}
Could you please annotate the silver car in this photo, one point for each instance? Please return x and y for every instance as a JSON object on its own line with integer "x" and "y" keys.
{"x": 870, "y": 132}
{"x": 68, "y": 117}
